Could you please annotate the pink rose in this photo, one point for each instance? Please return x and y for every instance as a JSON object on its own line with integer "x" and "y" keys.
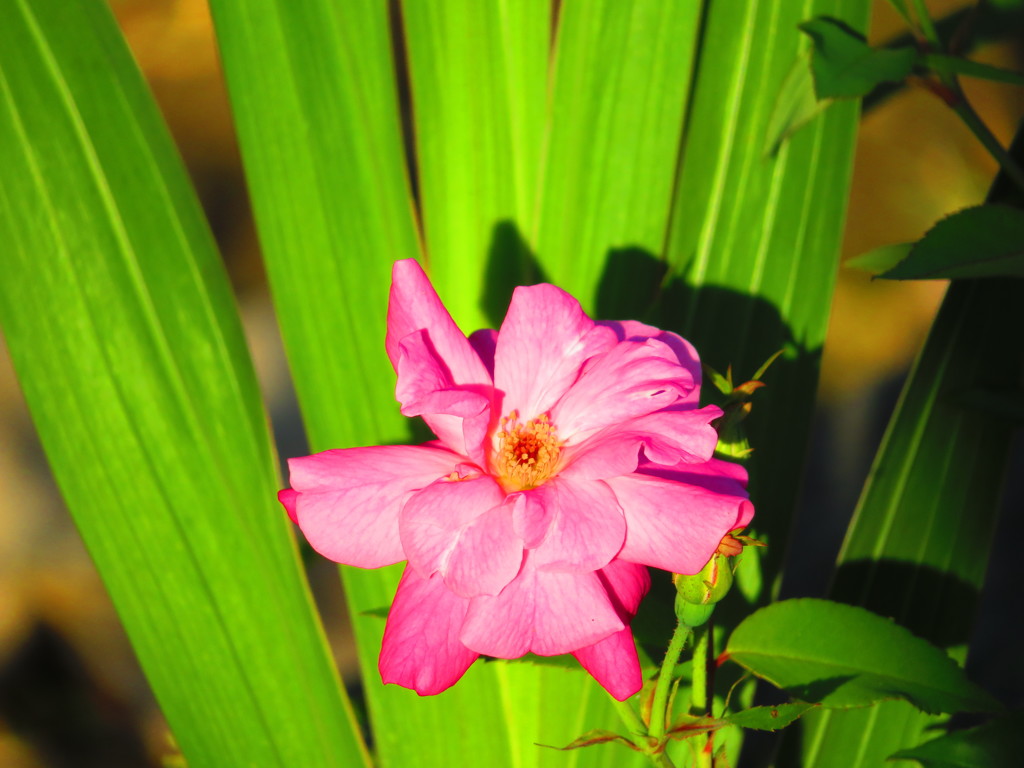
{"x": 570, "y": 455}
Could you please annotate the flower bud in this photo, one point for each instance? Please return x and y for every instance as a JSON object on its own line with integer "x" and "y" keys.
{"x": 710, "y": 585}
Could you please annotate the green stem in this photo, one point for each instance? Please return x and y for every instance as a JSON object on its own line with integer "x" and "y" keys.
{"x": 927, "y": 28}
{"x": 963, "y": 107}
{"x": 636, "y": 726}
{"x": 659, "y": 704}
{"x": 700, "y": 694}
{"x": 638, "y": 731}
{"x": 971, "y": 119}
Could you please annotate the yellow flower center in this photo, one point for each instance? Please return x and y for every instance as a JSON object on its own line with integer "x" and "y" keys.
{"x": 526, "y": 454}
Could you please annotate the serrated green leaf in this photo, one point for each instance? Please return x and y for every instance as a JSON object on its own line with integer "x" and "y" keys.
{"x": 880, "y": 259}
{"x": 120, "y": 321}
{"x": 998, "y": 744}
{"x": 769, "y": 718}
{"x": 843, "y": 656}
{"x": 845, "y": 66}
{"x": 984, "y": 241}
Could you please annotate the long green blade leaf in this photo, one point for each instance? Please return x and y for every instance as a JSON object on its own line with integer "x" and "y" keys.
{"x": 755, "y": 234}
{"x": 313, "y": 90}
{"x": 620, "y": 85}
{"x": 479, "y": 87}
{"x": 314, "y": 98}
{"x": 121, "y": 326}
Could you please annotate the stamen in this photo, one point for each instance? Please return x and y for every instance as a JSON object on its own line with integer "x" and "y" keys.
{"x": 526, "y": 454}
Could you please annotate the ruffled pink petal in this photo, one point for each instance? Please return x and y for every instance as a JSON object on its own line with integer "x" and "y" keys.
{"x": 684, "y": 351}
{"x": 487, "y": 557}
{"x": 667, "y": 437}
{"x": 421, "y": 648}
{"x": 545, "y": 612}
{"x": 676, "y": 518}
{"x": 586, "y": 528}
{"x": 484, "y": 342}
{"x": 347, "y": 501}
{"x": 458, "y": 414}
{"x": 530, "y": 517}
{"x": 462, "y": 529}
{"x": 288, "y": 499}
{"x": 415, "y": 306}
{"x": 630, "y": 380}
{"x": 627, "y": 583}
{"x": 614, "y": 663}
{"x": 542, "y": 345}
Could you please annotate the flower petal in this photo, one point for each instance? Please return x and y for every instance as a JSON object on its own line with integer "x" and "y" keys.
{"x": 543, "y": 342}
{"x": 530, "y": 518}
{"x": 414, "y": 306}
{"x": 487, "y": 556}
{"x": 458, "y": 414}
{"x": 630, "y": 380}
{"x": 484, "y": 342}
{"x": 586, "y": 527}
{"x": 288, "y": 497}
{"x": 684, "y": 351}
{"x": 614, "y": 663}
{"x": 627, "y": 583}
{"x": 541, "y": 611}
{"x": 676, "y": 517}
{"x": 347, "y": 501}
{"x": 667, "y": 437}
{"x": 421, "y": 648}
{"x": 434, "y": 517}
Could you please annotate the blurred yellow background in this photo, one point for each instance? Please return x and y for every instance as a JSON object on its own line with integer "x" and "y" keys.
{"x": 69, "y": 685}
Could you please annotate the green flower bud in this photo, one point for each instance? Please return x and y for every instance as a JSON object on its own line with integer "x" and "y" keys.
{"x": 710, "y": 585}
{"x": 692, "y": 615}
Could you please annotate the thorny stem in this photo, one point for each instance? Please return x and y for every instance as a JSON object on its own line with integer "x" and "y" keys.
{"x": 659, "y": 704}
{"x": 700, "y": 695}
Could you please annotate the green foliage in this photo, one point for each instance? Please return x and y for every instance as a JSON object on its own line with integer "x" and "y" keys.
{"x": 478, "y": 74}
{"x": 918, "y": 544}
{"x": 843, "y": 656}
{"x": 998, "y": 744}
{"x": 769, "y": 718}
{"x": 984, "y": 241}
{"x": 953, "y": 65}
{"x": 845, "y": 66}
{"x": 751, "y": 251}
{"x": 597, "y": 736}
{"x": 880, "y": 259}
{"x": 312, "y": 91}
{"x": 122, "y": 328}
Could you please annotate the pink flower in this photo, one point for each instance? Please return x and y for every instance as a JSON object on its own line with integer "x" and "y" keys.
{"x": 570, "y": 455}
